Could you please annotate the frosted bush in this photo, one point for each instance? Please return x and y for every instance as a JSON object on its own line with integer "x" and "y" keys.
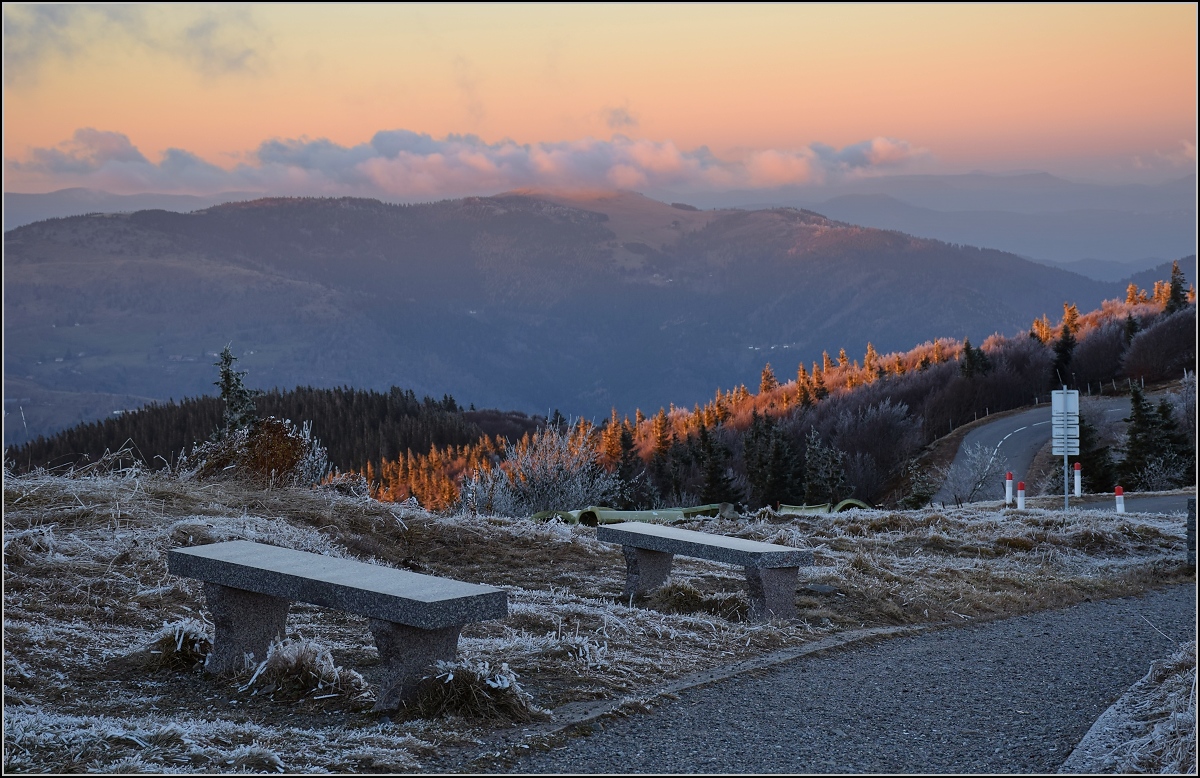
{"x": 975, "y": 475}
{"x": 556, "y": 470}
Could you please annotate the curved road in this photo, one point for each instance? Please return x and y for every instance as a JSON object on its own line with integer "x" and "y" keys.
{"x": 1019, "y": 437}
{"x": 1009, "y": 696}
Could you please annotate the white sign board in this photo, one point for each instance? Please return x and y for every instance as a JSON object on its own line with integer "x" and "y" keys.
{"x": 1064, "y": 401}
{"x": 1064, "y": 417}
{"x": 1072, "y": 447}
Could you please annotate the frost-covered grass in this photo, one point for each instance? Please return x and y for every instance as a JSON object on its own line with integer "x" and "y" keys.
{"x": 1164, "y": 705}
{"x": 94, "y": 624}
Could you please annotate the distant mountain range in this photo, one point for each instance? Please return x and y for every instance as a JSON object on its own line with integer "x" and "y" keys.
{"x": 528, "y": 301}
{"x": 1105, "y": 232}
{"x": 1093, "y": 229}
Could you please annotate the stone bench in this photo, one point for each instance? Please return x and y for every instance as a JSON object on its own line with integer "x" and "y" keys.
{"x": 415, "y": 619}
{"x": 771, "y": 570}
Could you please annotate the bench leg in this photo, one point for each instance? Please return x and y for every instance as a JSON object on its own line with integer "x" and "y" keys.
{"x": 244, "y": 623}
{"x": 772, "y": 592}
{"x": 409, "y": 654}
{"x": 645, "y": 570}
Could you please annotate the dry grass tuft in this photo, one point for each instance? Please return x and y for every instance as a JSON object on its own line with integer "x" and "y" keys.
{"x": 183, "y": 645}
{"x": 683, "y": 597}
{"x": 298, "y": 669}
{"x": 472, "y": 690}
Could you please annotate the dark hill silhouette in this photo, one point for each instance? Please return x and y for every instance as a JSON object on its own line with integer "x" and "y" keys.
{"x": 529, "y": 301}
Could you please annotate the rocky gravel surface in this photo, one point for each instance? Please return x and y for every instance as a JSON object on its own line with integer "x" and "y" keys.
{"x": 1010, "y": 696}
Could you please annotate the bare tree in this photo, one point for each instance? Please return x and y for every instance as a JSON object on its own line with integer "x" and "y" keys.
{"x": 977, "y": 473}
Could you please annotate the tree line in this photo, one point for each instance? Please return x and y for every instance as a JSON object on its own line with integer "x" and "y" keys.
{"x": 356, "y": 427}
{"x": 841, "y": 428}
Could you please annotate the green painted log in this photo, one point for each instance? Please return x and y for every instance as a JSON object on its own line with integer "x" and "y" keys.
{"x": 802, "y": 510}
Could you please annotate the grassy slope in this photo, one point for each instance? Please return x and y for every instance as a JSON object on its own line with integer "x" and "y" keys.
{"x": 87, "y": 592}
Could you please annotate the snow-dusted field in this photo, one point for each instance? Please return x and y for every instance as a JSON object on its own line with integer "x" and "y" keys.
{"x": 87, "y": 598}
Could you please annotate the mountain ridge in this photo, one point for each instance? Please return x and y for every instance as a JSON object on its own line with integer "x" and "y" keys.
{"x": 513, "y": 301}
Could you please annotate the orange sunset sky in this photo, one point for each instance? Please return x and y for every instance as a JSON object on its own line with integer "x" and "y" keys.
{"x": 426, "y": 101}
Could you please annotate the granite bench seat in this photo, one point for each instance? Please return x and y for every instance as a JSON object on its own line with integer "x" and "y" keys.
{"x": 771, "y": 570}
{"x": 415, "y": 619}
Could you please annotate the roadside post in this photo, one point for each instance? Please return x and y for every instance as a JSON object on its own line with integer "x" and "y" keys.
{"x": 1078, "y": 480}
{"x": 1120, "y": 500}
{"x": 1064, "y": 435}
{"x": 1008, "y": 490}
{"x": 1021, "y": 495}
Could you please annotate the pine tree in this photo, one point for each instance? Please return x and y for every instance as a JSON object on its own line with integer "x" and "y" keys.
{"x": 1176, "y": 293}
{"x": 771, "y": 465}
{"x": 973, "y": 361}
{"x": 768, "y": 382}
{"x": 871, "y": 360}
{"x": 718, "y": 485}
{"x": 1153, "y": 437}
{"x": 824, "y": 471}
{"x": 635, "y": 491}
{"x": 1131, "y": 328}
{"x": 1071, "y": 317}
{"x": 820, "y": 392}
{"x": 660, "y": 434}
{"x": 842, "y": 359}
{"x": 1099, "y": 471}
{"x": 239, "y": 401}
{"x": 1063, "y": 351}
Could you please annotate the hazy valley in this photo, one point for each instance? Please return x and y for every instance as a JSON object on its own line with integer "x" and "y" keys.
{"x": 527, "y": 301}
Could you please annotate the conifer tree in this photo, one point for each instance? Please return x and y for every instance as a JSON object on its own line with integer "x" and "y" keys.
{"x": 1153, "y": 438}
{"x": 1099, "y": 471}
{"x": 826, "y": 362}
{"x": 1131, "y": 328}
{"x": 824, "y": 471}
{"x": 660, "y": 434}
{"x": 239, "y": 401}
{"x": 635, "y": 489}
{"x": 1064, "y": 348}
{"x": 767, "y": 382}
{"x": 820, "y": 392}
{"x": 871, "y": 360}
{"x": 1176, "y": 292}
{"x": 1071, "y": 317}
{"x": 718, "y": 486}
{"x": 843, "y": 360}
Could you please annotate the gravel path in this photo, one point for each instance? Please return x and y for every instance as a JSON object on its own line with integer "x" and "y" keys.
{"x": 1012, "y": 696}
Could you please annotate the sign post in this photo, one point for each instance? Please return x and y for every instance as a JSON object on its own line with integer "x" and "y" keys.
{"x": 1064, "y": 436}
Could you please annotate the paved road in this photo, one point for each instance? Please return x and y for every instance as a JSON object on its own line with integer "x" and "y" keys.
{"x": 1019, "y": 437}
{"x": 1011, "y": 696}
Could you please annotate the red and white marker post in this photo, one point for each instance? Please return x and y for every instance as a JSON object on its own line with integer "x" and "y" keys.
{"x": 1078, "y": 479}
{"x": 1021, "y": 495}
{"x": 1007, "y": 489}
{"x": 1120, "y": 500}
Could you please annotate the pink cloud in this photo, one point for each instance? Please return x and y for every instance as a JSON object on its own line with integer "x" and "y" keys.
{"x": 403, "y": 164}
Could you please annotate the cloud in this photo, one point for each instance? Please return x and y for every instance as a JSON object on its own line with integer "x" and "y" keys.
{"x": 402, "y": 164}
{"x": 467, "y": 79}
{"x": 213, "y": 41}
{"x": 619, "y": 118}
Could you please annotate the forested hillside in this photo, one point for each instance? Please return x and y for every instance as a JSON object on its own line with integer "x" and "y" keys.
{"x": 355, "y": 426}
{"x": 836, "y": 428}
{"x": 521, "y": 301}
